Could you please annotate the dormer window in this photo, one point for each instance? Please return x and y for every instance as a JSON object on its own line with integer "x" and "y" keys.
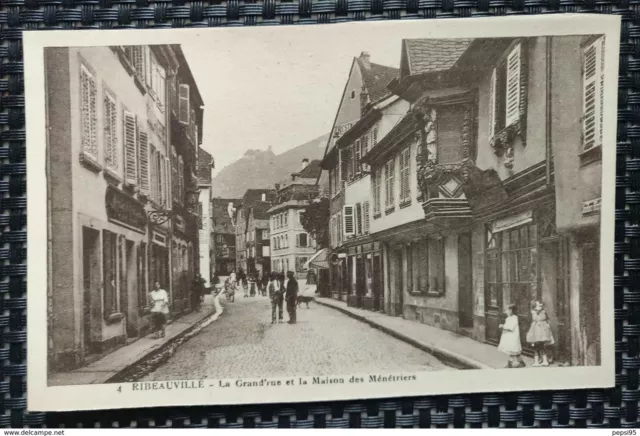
{"x": 353, "y": 95}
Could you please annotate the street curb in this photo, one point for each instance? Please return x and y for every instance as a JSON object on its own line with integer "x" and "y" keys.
{"x": 206, "y": 320}
{"x": 450, "y": 357}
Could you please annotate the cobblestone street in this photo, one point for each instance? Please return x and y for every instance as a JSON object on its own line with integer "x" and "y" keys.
{"x": 243, "y": 343}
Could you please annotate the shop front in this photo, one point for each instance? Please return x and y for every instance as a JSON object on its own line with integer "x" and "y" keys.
{"x": 364, "y": 272}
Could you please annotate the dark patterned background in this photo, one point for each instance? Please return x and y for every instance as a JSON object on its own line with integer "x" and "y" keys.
{"x": 616, "y": 407}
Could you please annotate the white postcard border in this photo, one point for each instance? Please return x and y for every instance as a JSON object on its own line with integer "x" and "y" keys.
{"x": 42, "y": 397}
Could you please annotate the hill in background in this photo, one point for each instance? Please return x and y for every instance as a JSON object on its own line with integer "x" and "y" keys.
{"x": 263, "y": 169}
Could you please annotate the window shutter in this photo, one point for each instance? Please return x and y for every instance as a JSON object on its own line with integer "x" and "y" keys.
{"x": 348, "y": 220}
{"x": 405, "y": 162}
{"x": 344, "y": 165}
{"x": 88, "y": 122}
{"x": 180, "y": 179}
{"x": 174, "y": 174}
{"x": 592, "y": 95}
{"x": 492, "y": 104}
{"x": 365, "y": 213}
{"x": 138, "y": 61}
{"x": 358, "y": 150}
{"x": 110, "y": 132}
{"x": 167, "y": 184}
{"x": 143, "y": 160}
{"x": 153, "y": 173}
{"x": 130, "y": 152}
{"x": 513, "y": 85}
{"x": 184, "y": 107}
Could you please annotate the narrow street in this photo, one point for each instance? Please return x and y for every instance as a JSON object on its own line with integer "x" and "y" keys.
{"x": 243, "y": 343}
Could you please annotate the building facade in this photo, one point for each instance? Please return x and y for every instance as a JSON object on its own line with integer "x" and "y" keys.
{"x": 206, "y": 166}
{"x": 258, "y": 240}
{"x": 366, "y": 84}
{"x": 259, "y": 198}
{"x": 468, "y": 183}
{"x": 110, "y": 116}
{"x": 291, "y": 245}
{"x": 223, "y": 235}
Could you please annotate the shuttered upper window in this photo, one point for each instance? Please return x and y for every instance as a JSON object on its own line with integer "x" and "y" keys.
{"x": 389, "y": 170}
{"x": 88, "y": 113}
{"x": 365, "y": 217}
{"x": 377, "y": 185}
{"x": 143, "y": 160}
{"x": 506, "y": 91}
{"x": 110, "y": 116}
{"x": 180, "y": 179}
{"x": 184, "y": 106}
{"x": 405, "y": 175}
{"x": 593, "y": 93}
{"x": 130, "y": 134}
{"x": 348, "y": 224}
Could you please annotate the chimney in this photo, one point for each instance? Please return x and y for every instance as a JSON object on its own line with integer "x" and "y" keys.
{"x": 263, "y": 197}
{"x": 365, "y": 58}
{"x": 277, "y": 186}
{"x": 305, "y": 162}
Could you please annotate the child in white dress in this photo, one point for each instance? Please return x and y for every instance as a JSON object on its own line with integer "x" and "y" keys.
{"x": 510, "y": 338}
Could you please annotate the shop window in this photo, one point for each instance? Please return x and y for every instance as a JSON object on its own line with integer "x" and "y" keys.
{"x": 450, "y": 121}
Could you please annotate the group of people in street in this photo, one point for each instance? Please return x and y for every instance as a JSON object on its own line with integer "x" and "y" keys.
{"x": 282, "y": 289}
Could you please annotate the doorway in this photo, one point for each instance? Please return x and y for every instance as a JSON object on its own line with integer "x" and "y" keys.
{"x": 377, "y": 283}
{"x": 465, "y": 282}
{"x": 361, "y": 284}
{"x": 130, "y": 289}
{"x": 91, "y": 282}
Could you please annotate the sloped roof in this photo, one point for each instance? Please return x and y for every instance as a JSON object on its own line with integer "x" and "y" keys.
{"x": 260, "y": 209}
{"x": 221, "y": 220}
{"x": 205, "y": 163}
{"x": 255, "y": 195}
{"x": 311, "y": 171}
{"x": 376, "y": 77}
{"x": 431, "y": 55}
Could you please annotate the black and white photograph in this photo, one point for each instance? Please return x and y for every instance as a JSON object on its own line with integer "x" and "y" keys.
{"x": 230, "y": 216}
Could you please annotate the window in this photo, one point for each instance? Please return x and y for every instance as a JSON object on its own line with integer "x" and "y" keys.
{"x": 302, "y": 240}
{"x": 377, "y": 182}
{"x": 388, "y": 187}
{"x": 365, "y": 148}
{"x": 153, "y": 173}
{"x": 365, "y": 217}
{"x": 184, "y": 105}
{"x": 299, "y": 214}
{"x": 405, "y": 176}
{"x": 110, "y": 272}
{"x": 180, "y": 179}
{"x": 130, "y": 149}
{"x": 158, "y": 85}
{"x": 358, "y": 218}
{"x": 220, "y": 239}
{"x": 593, "y": 93}
{"x": 139, "y": 61}
{"x": 450, "y": 122}
{"x": 333, "y": 182}
{"x": 340, "y": 227}
{"x": 345, "y": 164}
{"x": 286, "y": 239}
{"x": 506, "y": 92}
{"x": 425, "y": 266}
{"x": 348, "y": 213}
{"x": 375, "y": 135}
{"x": 88, "y": 113}
{"x": 285, "y": 216}
{"x": 358, "y": 155}
{"x": 353, "y": 160}
{"x": 174, "y": 174}
{"x": 143, "y": 160}
{"x": 110, "y": 117}
{"x": 353, "y": 94}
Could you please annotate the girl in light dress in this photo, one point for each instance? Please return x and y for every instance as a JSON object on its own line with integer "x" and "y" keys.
{"x": 539, "y": 334}
{"x": 510, "y": 338}
{"x": 159, "y": 300}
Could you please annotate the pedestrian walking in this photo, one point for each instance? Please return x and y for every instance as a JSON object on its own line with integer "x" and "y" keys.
{"x": 539, "y": 334}
{"x": 159, "y": 300}
{"x": 510, "y": 338}
{"x": 275, "y": 294}
{"x": 291, "y": 296}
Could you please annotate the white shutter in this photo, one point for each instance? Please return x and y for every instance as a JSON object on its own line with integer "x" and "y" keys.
{"x": 180, "y": 179}
{"x": 513, "y": 86}
{"x": 184, "y": 107}
{"x": 88, "y": 121}
{"x": 130, "y": 149}
{"x": 358, "y": 216}
{"x": 492, "y": 105}
{"x": 110, "y": 132}
{"x": 592, "y": 80}
{"x": 348, "y": 220}
{"x": 358, "y": 147}
{"x": 365, "y": 213}
{"x": 143, "y": 160}
{"x": 153, "y": 172}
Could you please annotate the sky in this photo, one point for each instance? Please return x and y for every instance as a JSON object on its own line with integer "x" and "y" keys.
{"x": 280, "y": 86}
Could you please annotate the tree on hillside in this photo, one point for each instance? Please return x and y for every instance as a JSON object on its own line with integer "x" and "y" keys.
{"x": 315, "y": 221}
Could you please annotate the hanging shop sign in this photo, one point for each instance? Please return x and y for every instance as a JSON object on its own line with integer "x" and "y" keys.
{"x": 125, "y": 210}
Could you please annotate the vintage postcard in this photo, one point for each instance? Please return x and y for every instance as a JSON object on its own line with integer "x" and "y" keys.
{"x": 306, "y": 213}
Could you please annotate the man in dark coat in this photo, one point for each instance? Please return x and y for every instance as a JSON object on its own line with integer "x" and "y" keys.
{"x": 291, "y": 296}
